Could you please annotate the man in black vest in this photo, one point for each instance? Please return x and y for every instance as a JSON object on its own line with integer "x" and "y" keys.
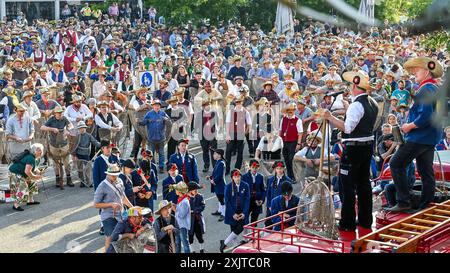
{"x": 357, "y": 139}
{"x": 107, "y": 121}
{"x": 206, "y": 128}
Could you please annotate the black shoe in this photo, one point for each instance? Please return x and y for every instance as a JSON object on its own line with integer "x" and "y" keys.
{"x": 18, "y": 208}
{"x": 91, "y": 186}
{"x": 398, "y": 208}
{"x": 202, "y": 251}
{"x": 33, "y": 203}
{"x": 102, "y": 231}
{"x": 252, "y": 155}
{"x": 205, "y": 170}
{"x": 221, "y": 218}
{"x": 243, "y": 242}
{"x": 69, "y": 182}
{"x": 217, "y": 213}
{"x": 82, "y": 184}
{"x": 222, "y": 246}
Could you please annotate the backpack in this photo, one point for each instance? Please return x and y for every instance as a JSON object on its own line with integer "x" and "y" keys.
{"x": 19, "y": 157}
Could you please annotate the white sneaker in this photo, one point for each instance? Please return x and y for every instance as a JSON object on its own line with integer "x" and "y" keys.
{"x": 377, "y": 189}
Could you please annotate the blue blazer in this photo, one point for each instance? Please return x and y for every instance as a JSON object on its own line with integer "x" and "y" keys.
{"x": 143, "y": 164}
{"x": 197, "y": 207}
{"x": 137, "y": 181}
{"x": 128, "y": 188}
{"x": 230, "y": 201}
{"x": 274, "y": 190}
{"x": 98, "y": 170}
{"x": 218, "y": 175}
{"x": 170, "y": 195}
{"x": 257, "y": 190}
{"x": 191, "y": 165}
{"x": 279, "y": 205}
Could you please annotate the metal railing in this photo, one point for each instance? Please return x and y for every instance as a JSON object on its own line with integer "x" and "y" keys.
{"x": 257, "y": 235}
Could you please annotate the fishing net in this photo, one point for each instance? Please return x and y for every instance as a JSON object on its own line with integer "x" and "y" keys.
{"x": 145, "y": 241}
{"x": 315, "y": 214}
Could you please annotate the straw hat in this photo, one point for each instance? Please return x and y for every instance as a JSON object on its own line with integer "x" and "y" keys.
{"x": 81, "y": 124}
{"x": 180, "y": 92}
{"x": 19, "y": 107}
{"x": 28, "y": 93}
{"x": 164, "y": 204}
{"x": 181, "y": 187}
{"x": 57, "y": 64}
{"x": 58, "y": 109}
{"x": 426, "y": 63}
{"x": 172, "y": 99}
{"x": 102, "y": 103}
{"x": 113, "y": 170}
{"x": 289, "y": 107}
{"x": 262, "y": 101}
{"x": 311, "y": 137}
{"x": 358, "y": 78}
{"x": 268, "y": 83}
{"x": 206, "y": 102}
{"x": 156, "y": 102}
{"x": 76, "y": 98}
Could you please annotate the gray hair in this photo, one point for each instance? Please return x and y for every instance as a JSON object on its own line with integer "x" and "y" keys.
{"x": 35, "y": 147}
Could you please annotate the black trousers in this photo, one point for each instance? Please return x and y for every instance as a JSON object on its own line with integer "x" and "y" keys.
{"x": 207, "y": 153}
{"x": 137, "y": 144}
{"x": 233, "y": 145}
{"x": 221, "y": 198}
{"x": 254, "y": 211}
{"x": 238, "y": 227}
{"x": 197, "y": 232}
{"x": 288, "y": 155}
{"x": 424, "y": 155}
{"x": 171, "y": 148}
{"x": 354, "y": 178}
{"x": 252, "y": 144}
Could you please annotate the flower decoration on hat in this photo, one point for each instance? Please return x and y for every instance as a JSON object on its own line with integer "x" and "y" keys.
{"x": 174, "y": 167}
{"x": 431, "y": 65}
{"x": 255, "y": 164}
{"x": 237, "y": 173}
{"x": 356, "y": 80}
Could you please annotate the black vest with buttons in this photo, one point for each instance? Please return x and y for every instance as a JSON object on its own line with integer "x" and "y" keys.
{"x": 367, "y": 122}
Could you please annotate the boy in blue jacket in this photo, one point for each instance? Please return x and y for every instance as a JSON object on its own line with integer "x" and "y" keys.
{"x": 284, "y": 202}
{"x": 255, "y": 181}
{"x": 274, "y": 186}
{"x": 237, "y": 202}
{"x": 217, "y": 180}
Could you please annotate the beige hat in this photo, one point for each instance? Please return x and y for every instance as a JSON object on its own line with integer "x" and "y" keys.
{"x": 268, "y": 83}
{"x": 359, "y": 78}
{"x": 113, "y": 170}
{"x": 58, "y": 109}
{"x": 19, "y": 107}
{"x": 181, "y": 187}
{"x": 102, "y": 103}
{"x": 28, "y": 93}
{"x": 289, "y": 107}
{"x": 163, "y": 205}
{"x": 426, "y": 63}
{"x": 179, "y": 92}
{"x": 76, "y": 98}
{"x": 262, "y": 101}
{"x": 172, "y": 99}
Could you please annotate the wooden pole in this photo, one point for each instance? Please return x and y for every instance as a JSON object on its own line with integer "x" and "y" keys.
{"x": 322, "y": 151}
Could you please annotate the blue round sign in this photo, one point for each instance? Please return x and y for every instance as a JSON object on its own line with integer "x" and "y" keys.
{"x": 146, "y": 79}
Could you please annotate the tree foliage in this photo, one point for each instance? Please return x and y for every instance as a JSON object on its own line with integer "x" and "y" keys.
{"x": 437, "y": 40}
{"x": 393, "y": 10}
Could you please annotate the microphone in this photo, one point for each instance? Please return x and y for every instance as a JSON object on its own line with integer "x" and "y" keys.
{"x": 335, "y": 94}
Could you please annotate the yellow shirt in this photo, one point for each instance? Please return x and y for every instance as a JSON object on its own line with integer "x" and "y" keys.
{"x": 86, "y": 11}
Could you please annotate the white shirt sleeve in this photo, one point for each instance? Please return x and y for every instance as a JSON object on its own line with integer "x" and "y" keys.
{"x": 248, "y": 118}
{"x": 302, "y": 152}
{"x": 277, "y": 145}
{"x": 261, "y": 144}
{"x": 299, "y": 126}
{"x": 100, "y": 122}
{"x": 118, "y": 107}
{"x": 228, "y": 118}
{"x": 117, "y": 122}
{"x": 354, "y": 114}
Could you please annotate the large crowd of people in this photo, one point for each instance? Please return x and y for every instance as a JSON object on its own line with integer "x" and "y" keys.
{"x": 221, "y": 85}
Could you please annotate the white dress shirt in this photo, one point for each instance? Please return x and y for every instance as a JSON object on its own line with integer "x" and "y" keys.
{"x": 72, "y": 115}
{"x": 101, "y": 124}
{"x": 32, "y": 109}
{"x": 354, "y": 114}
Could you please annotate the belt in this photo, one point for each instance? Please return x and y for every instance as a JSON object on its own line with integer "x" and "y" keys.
{"x": 358, "y": 143}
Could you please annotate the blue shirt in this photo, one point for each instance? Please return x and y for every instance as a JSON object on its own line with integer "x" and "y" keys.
{"x": 421, "y": 114}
